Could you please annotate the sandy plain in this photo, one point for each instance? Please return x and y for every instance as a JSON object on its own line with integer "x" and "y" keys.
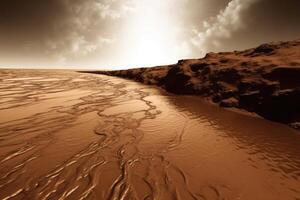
{"x": 70, "y": 135}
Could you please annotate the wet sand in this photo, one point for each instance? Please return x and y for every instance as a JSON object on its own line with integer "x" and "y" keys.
{"x": 67, "y": 135}
{"x": 263, "y": 80}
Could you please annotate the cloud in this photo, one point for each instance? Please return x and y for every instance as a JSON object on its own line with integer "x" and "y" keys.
{"x": 58, "y": 30}
{"x": 86, "y": 29}
{"x": 109, "y": 32}
{"x": 222, "y": 26}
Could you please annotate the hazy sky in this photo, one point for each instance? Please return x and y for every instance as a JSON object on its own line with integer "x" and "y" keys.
{"x": 130, "y": 33}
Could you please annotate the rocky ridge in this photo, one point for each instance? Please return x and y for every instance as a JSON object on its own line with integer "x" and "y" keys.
{"x": 264, "y": 80}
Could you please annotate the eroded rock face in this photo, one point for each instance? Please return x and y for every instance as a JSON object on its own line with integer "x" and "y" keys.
{"x": 282, "y": 106}
{"x": 265, "y": 49}
{"x": 176, "y": 81}
{"x": 264, "y": 80}
{"x": 288, "y": 77}
{"x": 227, "y": 75}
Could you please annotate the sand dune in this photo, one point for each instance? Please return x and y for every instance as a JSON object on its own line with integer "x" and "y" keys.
{"x": 264, "y": 80}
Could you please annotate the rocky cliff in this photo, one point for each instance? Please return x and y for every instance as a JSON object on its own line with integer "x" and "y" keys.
{"x": 264, "y": 80}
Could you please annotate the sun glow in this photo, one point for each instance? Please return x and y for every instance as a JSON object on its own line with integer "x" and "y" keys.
{"x": 151, "y": 34}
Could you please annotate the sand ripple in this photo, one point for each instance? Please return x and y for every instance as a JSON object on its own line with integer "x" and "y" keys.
{"x": 66, "y": 135}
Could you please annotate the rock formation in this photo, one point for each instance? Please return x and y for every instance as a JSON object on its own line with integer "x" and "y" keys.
{"x": 264, "y": 80}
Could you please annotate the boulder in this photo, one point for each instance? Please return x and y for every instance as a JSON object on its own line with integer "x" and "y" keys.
{"x": 295, "y": 125}
{"x": 230, "y": 102}
{"x": 176, "y": 81}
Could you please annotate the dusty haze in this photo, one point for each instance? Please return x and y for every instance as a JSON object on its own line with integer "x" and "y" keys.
{"x": 127, "y": 33}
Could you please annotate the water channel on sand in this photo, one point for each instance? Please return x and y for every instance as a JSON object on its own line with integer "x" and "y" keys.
{"x": 68, "y": 135}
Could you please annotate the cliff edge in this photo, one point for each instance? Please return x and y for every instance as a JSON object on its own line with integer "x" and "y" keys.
{"x": 264, "y": 80}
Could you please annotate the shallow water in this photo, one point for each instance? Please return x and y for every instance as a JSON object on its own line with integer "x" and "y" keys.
{"x": 66, "y": 135}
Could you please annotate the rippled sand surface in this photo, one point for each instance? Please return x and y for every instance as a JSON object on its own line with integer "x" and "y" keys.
{"x": 66, "y": 135}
